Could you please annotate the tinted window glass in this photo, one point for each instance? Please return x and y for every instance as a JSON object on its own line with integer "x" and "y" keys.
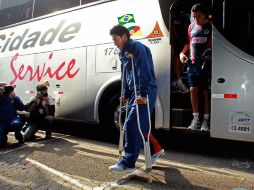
{"x": 13, "y": 11}
{"x": 43, "y": 7}
{"x": 87, "y": 1}
{"x": 235, "y": 20}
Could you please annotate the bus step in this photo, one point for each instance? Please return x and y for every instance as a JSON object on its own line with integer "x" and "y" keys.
{"x": 187, "y": 131}
{"x": 181, "y": 117}
{"x": 180, "y": 100}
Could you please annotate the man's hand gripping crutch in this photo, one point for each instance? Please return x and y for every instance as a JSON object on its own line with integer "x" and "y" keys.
{"x": 146, "y": 143}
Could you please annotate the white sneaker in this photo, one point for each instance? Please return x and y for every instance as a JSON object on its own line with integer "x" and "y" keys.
{"x": 120, "y": 169}
{"x": 204, "y": 126}
{"x": 155, "y": 156}
{"x": 194, "y": 125}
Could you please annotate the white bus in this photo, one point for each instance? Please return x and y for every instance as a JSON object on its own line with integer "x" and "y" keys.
{"x": 67, "y": 42}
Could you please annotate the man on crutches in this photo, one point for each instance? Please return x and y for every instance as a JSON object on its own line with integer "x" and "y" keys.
{"x": 135, "y": 53}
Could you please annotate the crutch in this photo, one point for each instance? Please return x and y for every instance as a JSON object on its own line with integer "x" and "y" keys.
{"x": 146, "y": 143}
{"x": 122, "y": 127}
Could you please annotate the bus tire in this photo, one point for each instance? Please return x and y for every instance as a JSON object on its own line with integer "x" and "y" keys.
{"x": 107, "y": 113}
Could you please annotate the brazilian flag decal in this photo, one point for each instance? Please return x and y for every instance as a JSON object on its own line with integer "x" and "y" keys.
{"x": 127, "y": 18}
{"x": 128, "y": 21}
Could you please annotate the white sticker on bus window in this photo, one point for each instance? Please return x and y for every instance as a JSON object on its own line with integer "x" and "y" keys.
{"x": 240, "y": 122}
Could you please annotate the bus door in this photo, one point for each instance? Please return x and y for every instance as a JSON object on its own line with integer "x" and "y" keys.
{"x": 180, "y": 19}
{"x": 181, "y": 113}
{"x": 232, "y": 90}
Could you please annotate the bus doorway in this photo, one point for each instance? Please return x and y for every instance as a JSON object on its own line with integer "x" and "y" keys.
{"x": 181, "y": 107}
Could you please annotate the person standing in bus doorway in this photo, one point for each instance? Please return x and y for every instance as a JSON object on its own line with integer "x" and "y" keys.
{"x": 146, "y": 85}
{"x": 199, "y": 35}
{"x": 9, "y": 118}
{"x": 41, "y": 110}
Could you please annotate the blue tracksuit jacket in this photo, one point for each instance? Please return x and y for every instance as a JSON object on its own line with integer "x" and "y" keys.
{"x": 9, "y": 107}
{"x": 144, "y": 70}
{"x": 146, "y": 85}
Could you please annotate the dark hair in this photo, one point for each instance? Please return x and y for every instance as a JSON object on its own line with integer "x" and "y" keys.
{"x": 41, "y": 87}
{"x": 120, "y": 30}
{"x": 199, "y": 8}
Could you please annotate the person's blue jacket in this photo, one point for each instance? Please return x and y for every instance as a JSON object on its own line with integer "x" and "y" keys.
{"x": 8, "y": 108}
{"x": 144, "y": 69}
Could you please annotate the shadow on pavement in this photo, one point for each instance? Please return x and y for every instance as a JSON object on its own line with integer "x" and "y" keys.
{"x": 167, "y": 178}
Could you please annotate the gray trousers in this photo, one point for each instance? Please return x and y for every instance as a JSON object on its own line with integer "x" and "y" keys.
{"x": 45, "y": 124}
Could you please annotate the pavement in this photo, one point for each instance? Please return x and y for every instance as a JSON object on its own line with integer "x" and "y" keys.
{"x": 69, "y": 162}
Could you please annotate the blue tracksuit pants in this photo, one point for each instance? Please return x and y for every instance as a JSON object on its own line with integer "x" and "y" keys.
{"x": 133, "y": 139}
{"x": 14, "y": 125}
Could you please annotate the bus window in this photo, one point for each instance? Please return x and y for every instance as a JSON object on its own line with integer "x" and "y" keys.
{"x": 13, "y": 11}
{"x": 43, "y": 7}
{"x": 235, "y": 20}
{"x": 87, "y": 1}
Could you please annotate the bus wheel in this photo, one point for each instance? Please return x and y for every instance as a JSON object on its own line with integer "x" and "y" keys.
{"x": 109, "y": 114}
{"x": 117, "y": 115}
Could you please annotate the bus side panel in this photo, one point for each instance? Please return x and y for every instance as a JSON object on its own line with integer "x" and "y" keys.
{"x": 232, "y": 101}
{"x": 103, "y": 66}
{"x": 68, "y": 83}
{"x": 18, "y": 71}
{"x": 90, "y": 86}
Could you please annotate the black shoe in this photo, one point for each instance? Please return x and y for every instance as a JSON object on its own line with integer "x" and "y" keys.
{"x": 19, "y": 137}
{"x": 48, "y": 135}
